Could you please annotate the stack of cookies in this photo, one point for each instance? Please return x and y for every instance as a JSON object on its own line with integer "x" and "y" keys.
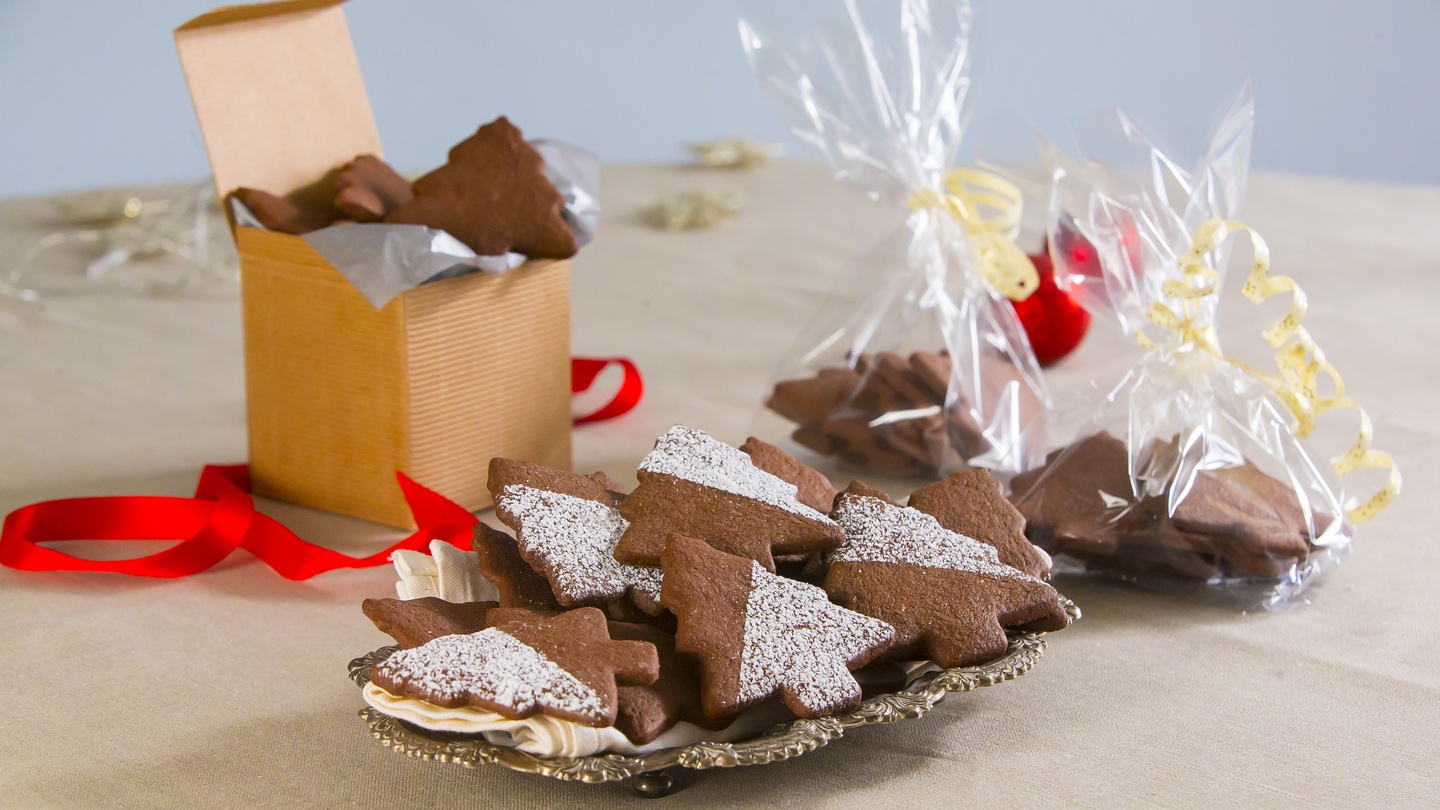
{"x": 891, "y": 414}
{"x": 731, "y": 582}
{"x": 1228, "y": 522}
{"x": 519, "y": 210}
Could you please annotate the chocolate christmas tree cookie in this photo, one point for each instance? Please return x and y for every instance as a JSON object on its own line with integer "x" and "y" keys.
{"x": 1261, "y": 518}
{"x": 948, "y": 596}
{"x": 492, "y": 195}
{"x": 808, "y": 401}
{"x": 758, "y": 635}
{"x": 645, "y": 711}
{"x": 594, "y": 487}
{"x": 862, "y": 488}
{"x": 610, "y": 484}
{"x": 648, "y": 711}
{"x": 367, "y": 189}
{"x": 564, "y": 666}
{"x": 973, "y": 503}
{"x": 899, "y": 415}
{"x": 1073, "y": 502}
{"x": 413, "y": 622}
{"x": 933, "y": 370}
{"x": 292, "y": 215}
{"x": 692, "y": 484}
{"x": 812, "y": 487}
{"x": 567, "y": 527}
{"x": 516, "y": 582}
{"x": 1234, "y": 519}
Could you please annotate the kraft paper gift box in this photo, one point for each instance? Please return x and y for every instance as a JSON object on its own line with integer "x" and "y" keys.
{"x": 341, "y": 395}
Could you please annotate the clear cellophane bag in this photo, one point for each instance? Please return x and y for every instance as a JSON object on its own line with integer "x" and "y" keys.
{"x": 916, "y": 364}
{"x": 1189, "y": 468}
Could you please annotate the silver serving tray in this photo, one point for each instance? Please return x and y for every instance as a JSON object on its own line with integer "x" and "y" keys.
{"x": 649, "y": 773}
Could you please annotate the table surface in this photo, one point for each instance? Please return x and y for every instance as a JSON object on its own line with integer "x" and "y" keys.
{"x": 231, "y": 685}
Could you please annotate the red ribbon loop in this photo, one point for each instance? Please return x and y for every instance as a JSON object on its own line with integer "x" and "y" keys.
{"x": 222, "y": 517}
{"x": 219, "y": 519}
{"x": 584, "y": 370}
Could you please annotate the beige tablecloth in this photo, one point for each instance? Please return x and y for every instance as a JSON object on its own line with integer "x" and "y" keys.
{"x": 229, "y": 688}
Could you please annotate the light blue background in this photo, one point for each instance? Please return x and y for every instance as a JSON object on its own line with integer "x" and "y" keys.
{"x": 91, "y": 92}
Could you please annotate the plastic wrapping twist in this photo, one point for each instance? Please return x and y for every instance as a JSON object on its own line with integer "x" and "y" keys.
{"x": 916, "y": 364}
{"x": 968, "y": 194}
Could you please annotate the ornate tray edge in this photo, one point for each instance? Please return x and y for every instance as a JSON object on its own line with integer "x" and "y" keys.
{"x": 781, "y": 742}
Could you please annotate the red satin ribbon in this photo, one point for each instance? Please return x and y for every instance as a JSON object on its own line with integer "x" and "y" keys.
{"x": 584, "y": 370}
{"x": 222, "y": 517}
{"x": 219, "y": 519}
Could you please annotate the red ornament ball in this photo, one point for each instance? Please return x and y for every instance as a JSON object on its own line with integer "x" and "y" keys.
{"x": 1054, "y": 321}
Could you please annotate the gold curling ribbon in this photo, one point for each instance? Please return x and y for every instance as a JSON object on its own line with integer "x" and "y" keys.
{"x": 988, "y": 207}
{"x": 1300, "y": 361}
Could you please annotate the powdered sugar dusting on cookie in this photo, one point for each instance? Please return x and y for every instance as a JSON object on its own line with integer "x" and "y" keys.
{"x": 797, "y": 639}
{"x": 876, "y": 531}
{"x": 648, "y": 581}
{"x": 693, "y": 456}
{"x": 495, "y": 667}
{"x": 576, "y": 540}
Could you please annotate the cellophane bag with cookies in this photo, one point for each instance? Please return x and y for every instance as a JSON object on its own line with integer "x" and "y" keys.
{"x": 1193, "y": 467}
{"x": 916, "y": 365}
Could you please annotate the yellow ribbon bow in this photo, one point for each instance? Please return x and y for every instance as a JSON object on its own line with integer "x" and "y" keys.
{"x": 1299, "y": 359}
{"x": 988, "y": 207}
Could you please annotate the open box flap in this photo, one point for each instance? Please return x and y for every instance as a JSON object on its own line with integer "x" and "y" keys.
{"x": 277, "y": 91}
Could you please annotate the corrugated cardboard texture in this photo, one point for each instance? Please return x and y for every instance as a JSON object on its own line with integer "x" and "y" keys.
{"x": 325, "y": 383}
{"x": 278, "y": 93}
{"x": 445, "y": 377}
{"x": 489, "y": 371}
